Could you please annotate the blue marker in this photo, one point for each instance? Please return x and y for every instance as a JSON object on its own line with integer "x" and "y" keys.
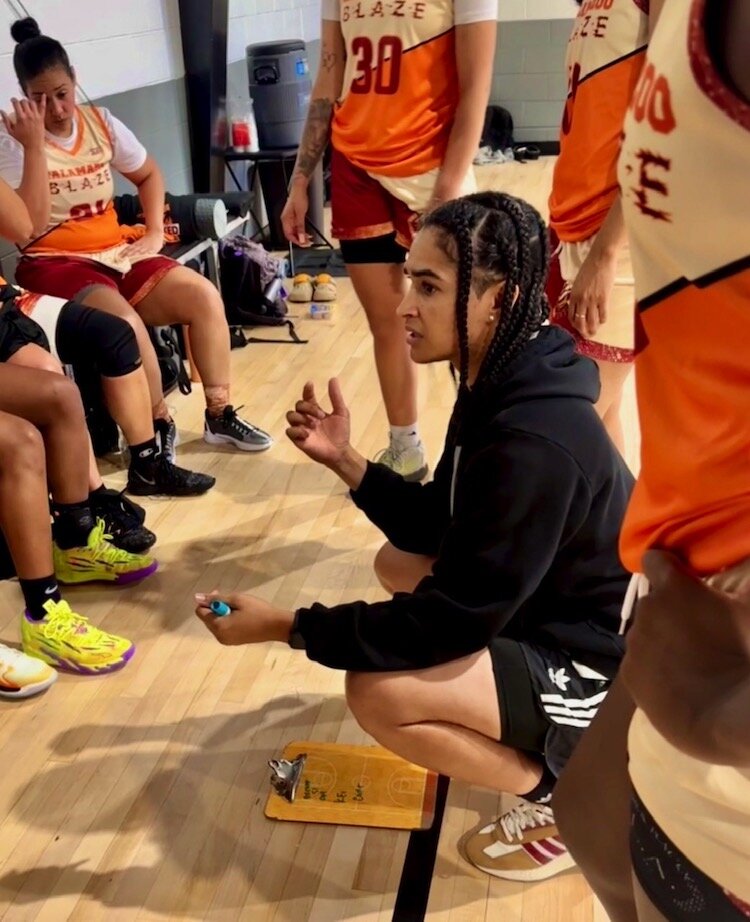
{"x": 219, "y": 608}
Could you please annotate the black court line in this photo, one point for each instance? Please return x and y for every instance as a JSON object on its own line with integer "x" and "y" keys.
{"x": 419, "y": 864}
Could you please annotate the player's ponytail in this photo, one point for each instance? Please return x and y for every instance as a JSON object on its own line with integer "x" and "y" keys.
{"x": 36, "y": 53}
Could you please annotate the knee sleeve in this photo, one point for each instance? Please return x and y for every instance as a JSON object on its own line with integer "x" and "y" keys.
{"x": 87, "y": 335}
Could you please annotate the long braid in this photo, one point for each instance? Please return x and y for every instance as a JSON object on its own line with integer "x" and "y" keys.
{"x": 463, "y": 235}
{"x": 495, "y": 237}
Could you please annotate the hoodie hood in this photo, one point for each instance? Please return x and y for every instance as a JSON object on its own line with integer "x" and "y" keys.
{"x": 548, "y": 368}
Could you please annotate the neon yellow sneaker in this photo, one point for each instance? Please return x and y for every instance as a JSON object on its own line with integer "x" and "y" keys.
{"x": 101, "y": 561}
{"x": 67, "y": 641}
{"x": 22, "y": 676}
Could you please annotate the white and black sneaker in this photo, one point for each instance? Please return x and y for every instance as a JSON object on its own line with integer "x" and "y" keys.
{"x": 231, "y": 429}
{"x": 162, "y": 478}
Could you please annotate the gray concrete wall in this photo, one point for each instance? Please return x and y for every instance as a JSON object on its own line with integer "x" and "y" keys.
{"x": 529, "y": 75}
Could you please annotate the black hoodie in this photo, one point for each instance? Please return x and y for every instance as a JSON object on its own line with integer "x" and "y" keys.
{"x": 523, "y": 516}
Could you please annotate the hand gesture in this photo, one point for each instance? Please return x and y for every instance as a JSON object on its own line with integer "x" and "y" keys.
{"x": 250, "y": 620}
{"x": 294, "y": 215}
{"x": 688, "y": 660}
{"x": 590, "y": 294}
{"x": 26, "y": 122}
{"x": 149, "y": 244}
{"x": 322, "y": 436}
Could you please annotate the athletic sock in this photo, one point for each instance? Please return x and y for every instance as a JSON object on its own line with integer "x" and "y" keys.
{"x": 99, "y": 491}
{"x": 73, "y": 523}
{"x": 37, "y": 592}
{"x": 142, "y": 456}
{"x": 542, "y": 793}
{"x": 405, "y": 436}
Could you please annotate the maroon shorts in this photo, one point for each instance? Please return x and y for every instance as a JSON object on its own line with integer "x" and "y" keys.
{"x": 363, "y": 209}
{"x": 70, "y": 277}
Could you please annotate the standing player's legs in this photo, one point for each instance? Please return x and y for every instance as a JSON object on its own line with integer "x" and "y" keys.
{"x": 595, "y": 782}
{"x": 611, "y": 347}
{"x": 613, "y": 376}
{"x": 365, "y": 223}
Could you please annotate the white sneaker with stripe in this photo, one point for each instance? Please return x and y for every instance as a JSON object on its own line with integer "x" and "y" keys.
{"x": 523, "y": 844}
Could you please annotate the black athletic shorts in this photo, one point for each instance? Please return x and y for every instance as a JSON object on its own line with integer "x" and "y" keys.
{"x": 673, "y": 884}
{"x": 546, "y": 703}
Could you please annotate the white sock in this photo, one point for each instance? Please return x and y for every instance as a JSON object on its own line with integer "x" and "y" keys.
{"x": 405, "y": 436}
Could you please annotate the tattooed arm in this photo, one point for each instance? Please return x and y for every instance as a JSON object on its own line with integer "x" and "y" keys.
{"x": 326, "y": 91}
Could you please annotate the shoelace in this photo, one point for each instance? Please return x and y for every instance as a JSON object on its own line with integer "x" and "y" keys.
{"x": 389, "y": 456}
{"x": 233, "y": 421}
{"x": 525, "y": 816}
{"x": 99, "y": 541}
{"x": 168, "y": 444}
{"x": 637, "y": 588}
{"x": 62, "y": 622}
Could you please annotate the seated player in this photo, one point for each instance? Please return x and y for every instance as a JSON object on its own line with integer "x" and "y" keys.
{"x": 43, "y": 450}
{"x": 501, "y": 639}
{"x": 76, "y": 248}
{"x": 87, "y": 338}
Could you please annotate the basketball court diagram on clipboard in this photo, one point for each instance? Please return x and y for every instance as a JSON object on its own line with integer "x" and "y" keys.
{"x": 356, "y": 786}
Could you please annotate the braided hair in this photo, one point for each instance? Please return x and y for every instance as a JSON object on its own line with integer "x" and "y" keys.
{"x": 494, "y": 237}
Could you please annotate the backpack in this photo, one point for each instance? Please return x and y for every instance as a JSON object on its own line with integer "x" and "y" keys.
{"x": 252, "y": 290}
{"x": 498, "y": 129}
{"x": 168, "y": 352}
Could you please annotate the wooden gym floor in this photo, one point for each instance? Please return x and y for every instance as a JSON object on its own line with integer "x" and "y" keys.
{"x": 140, "y": 796}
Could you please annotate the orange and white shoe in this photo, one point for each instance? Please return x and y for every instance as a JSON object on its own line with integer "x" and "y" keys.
{"x": 22, "y": 676}
{"x": 523, "y": 844}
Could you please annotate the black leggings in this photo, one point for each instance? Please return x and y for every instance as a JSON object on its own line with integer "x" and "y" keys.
{"x": 674, "y": 885}
{"x": 104, "y": 342}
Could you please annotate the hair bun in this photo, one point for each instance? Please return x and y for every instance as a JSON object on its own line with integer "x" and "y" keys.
{"x": 24, "y": 29}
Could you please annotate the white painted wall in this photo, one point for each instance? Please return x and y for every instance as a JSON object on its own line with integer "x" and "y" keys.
{"x": 114, "y": 45}
{"x": 268, "y": 20}
{"x": 253, "y": 21}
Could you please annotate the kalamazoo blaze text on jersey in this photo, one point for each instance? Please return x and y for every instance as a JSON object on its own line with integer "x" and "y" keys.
{"x": 400, "y": 86}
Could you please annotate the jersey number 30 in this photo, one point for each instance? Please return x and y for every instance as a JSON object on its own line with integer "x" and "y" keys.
{"x": 378, "y": 68}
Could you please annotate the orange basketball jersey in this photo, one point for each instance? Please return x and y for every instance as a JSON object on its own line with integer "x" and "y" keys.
{"x": 684, "y": 178}
{"x": 605, "y": 56}
{"x": 400, "y": 85}
{"x": 82, "y": 215}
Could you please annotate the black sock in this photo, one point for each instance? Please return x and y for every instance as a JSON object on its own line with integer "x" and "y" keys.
{"x": 73, "y": 523}
{"x": 542, "y": 793}
{"x": 142, "y": 456}
{"x": 37, "y": 592}
{"x": 99, "y": 491}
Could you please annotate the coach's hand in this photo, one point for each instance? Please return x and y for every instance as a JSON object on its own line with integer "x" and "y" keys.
{"x": 687, "y": 664}
{"x": 251, "y": 620}
{"x": 295, "y": 213}
{"x": 26, "y": 122}
{"x": 323, "y": 436}
{"x": 591, "y": 292}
